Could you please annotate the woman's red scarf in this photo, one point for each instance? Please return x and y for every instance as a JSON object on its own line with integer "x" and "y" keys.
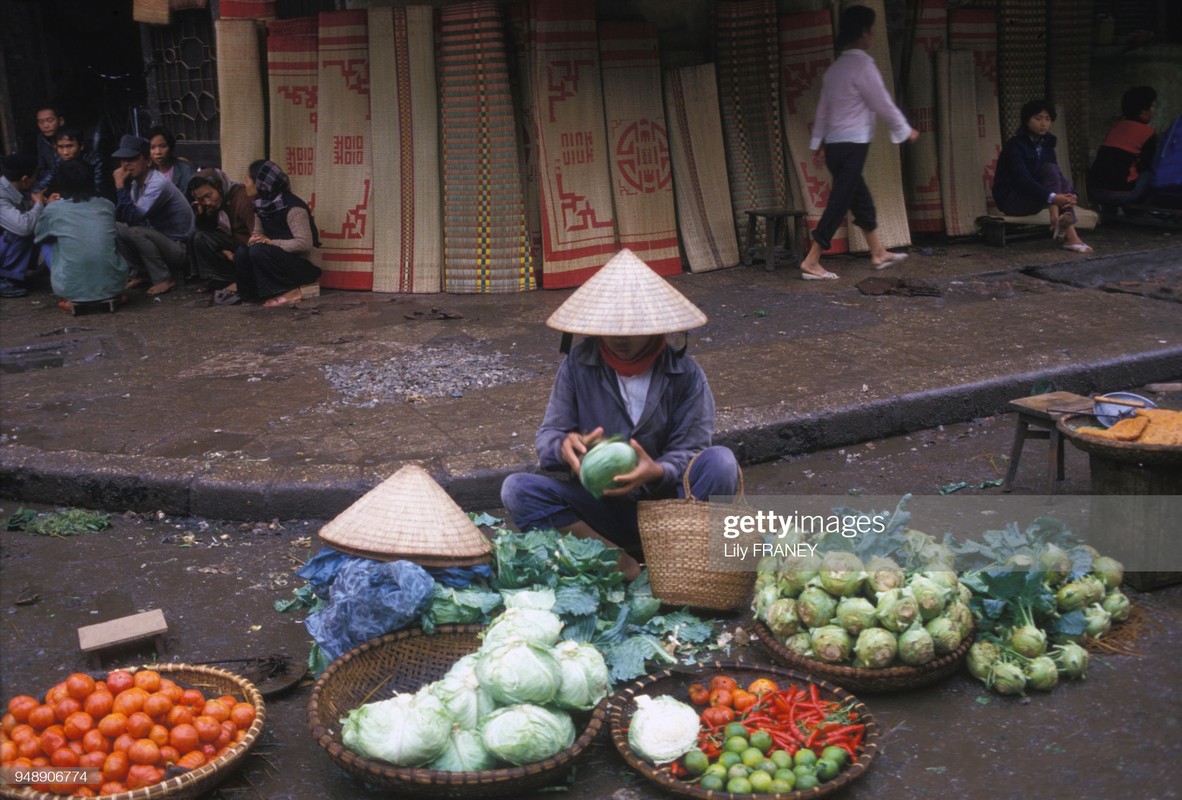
{"x": 635, "y": 366}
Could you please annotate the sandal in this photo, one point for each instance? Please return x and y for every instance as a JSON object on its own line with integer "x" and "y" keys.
{"x": 225, "y": 297}
{"x": 286, "y": 299}
{"x": 894, "y": 259}
{"x": 1078, "y": 247}
{"x": 1059, "y": 230}
{"x": 824, "y": 276}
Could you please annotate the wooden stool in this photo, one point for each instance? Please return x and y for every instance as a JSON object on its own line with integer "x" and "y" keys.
{"x": 1035, "y": 412}
{"x": 775, "y": 221}
{"x": 94, "y": 639}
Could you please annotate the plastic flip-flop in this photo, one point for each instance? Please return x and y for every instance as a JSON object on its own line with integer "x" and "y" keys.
{"x": 894, "y": 259}
{"x": 1078, "y": 247}
{"x": 824, "y": 276}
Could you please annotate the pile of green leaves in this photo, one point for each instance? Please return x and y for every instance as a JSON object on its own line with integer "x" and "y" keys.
{"x": 70, "y": 522}
{"x": 594, "y": 601}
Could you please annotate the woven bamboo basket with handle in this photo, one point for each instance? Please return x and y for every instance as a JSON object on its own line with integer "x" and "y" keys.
{"x": 195, "y": 783}
{"x": 675, "y": 535}
{"x": 404, "y": 662}
{"x": 857, "y": 679}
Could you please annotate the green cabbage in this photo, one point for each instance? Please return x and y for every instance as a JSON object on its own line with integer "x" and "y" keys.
{"x": 929, "y": 596}
{"x": 466, "y": 701}
{"x": 781, "y": 618}
{"x": 883, "y": 574}
{"x": 959, "y": 612}
{"x": 407, "y": 730}
{"x": 801, "y": 644}
{"x": 523, "y": 734}
{"x": 525, "y": 624}
{"x": 842, "y": 573}
{"x": 831, "y": 643}
{"x": 603, "y": 462}
{"x": 876, "y": 648}
{"x": 795, "y": 576}
{"x": 539, "y": 599}
{"x": 585, "y": 677}
{"x": 815, "y": 607}
{"x": 916, "y": 646}
{"x": 897, "y": 609}
{"x": 663, "y": 729}
{"x": 945, "y": 635}
{"x": 520, "y": 672}
{"x": 856, "y": 614}
{"x": 464, "y": 752}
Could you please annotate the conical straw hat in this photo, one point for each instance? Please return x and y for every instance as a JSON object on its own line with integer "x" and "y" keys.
{"x": 408, "y": 516}
{"x": 626, "y": 298}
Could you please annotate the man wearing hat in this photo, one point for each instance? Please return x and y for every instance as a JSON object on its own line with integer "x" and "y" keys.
{"x": 154, "y": 218}
{"x": 623, "y": 380}
{"x": 18, "y": 219}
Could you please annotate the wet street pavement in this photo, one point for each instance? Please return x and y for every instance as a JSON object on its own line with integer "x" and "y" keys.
{"x": 1114, "y": 735}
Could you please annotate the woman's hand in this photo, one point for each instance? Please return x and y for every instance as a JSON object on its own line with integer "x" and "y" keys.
{"x": 258, "y": 238}
{"x": 646, "y": 471}
{"x": 575, "y": 446}
{"x": 1066, "y": 200}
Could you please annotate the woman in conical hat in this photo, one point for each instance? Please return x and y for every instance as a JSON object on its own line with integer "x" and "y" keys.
{"x": 623, "y": 380}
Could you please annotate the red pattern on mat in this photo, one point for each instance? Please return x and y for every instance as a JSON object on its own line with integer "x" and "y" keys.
{"x": 343, "y": 149}
{"x": 247, "y": 9}
{"x": 638, "y": 144}
{"x": 806, "y": 51}
{"x": 578, "y": 231}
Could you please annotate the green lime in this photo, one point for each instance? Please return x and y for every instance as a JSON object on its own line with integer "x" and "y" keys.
{"x": 736, "y": 744}
{"x": 752, "y": 756}
{"x": 804, "y": 756}
{"x": 806, "y": 782}
{"x": 782, "y": 759}
{"x": 782, "y": 787}
{"x": 696, "y": 762}
{"x": 785, "y": 775}
{"x": 735, "y": 729}
{"x": 712, "y": 783}
{"x": 738, "y": 786}
{"x": 804, "y": 769}
{"x": 767, "y": 765}
{"x": 762, "y": 741}
{"x": 717, "y": 770}
{"x": 827, "y": 770}
{"x": 760, "y": 781}
{"x": 836, "y": 754}
{"x": 738, "y": 771}
{"x": 730, "y": 758}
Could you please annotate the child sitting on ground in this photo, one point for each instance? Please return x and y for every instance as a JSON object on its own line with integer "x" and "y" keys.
{"x": 80, "y": 229}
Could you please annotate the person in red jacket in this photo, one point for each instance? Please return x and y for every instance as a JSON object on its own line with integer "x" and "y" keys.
{"x": 1122, "y": 172}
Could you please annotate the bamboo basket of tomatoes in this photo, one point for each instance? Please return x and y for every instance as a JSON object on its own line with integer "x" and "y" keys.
{"x": 167, "y": 731}
{"x": 781, "y": 713}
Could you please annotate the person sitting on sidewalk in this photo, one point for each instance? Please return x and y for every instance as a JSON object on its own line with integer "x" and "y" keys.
{"x": 274, "y": 264}
{"x": 70, "y": 146}
{"x": 154, "y": 218}
{"x": 1122, "y": 172}
{"x": 162, "y": 151}
{"x": 18, "y": 219}
{"x": 49, "y": 119}
{"x": 1029, "y": 179}
{"x": 225, "y": 220}
{"x": 623, "y": 380}
{"x": 80, "y": 229}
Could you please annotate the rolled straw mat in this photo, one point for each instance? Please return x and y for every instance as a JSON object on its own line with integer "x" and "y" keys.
{"x": 291, "y": 78}
{"x": 344, "y": 179}
{"x": 883, "y": 172}
{"x": 638, "y": 144}
{"x": 408, "y": 516}
{"x": 240, "y": 95}
{"x": 748, "y": 69}
{"x": 517, "y": 16}
{"x": 806, "y": 51}
{"x": 960, "y": 166}
{"x": 151, "y": 12}
{"x": 921, "y": 162}
{"x": 578, "y": 218}
{"x": 975, "y": 30}
{"x": 408, "y": 242}
{"x": 485, "y": 235}
{"x": 699, "y": 168}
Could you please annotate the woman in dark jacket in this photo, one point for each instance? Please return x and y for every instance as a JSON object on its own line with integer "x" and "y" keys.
{"x": 274, "y": 263}
{"x": 1029, "y": 179}
{"x": 224, "y": 222}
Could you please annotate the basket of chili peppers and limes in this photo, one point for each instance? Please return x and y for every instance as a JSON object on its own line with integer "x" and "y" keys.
{"x": 730, "y": 730}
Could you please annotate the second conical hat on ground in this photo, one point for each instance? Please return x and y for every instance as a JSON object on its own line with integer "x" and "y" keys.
{"x": 408, "y": 516}
{"x": 626, "y": 298}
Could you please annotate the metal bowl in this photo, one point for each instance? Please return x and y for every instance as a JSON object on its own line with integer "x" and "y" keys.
{"x": 1111, "y": 413}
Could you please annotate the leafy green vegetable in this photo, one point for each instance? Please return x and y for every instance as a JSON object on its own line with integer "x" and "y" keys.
{"x": 71, "y": 522}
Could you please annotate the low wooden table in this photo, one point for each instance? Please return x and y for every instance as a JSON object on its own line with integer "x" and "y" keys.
{"x": 1036, "y": 412}
{"x": 775, "y": 222}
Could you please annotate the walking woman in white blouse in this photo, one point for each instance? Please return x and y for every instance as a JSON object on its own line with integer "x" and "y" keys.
{"x": 853, "y": 95}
